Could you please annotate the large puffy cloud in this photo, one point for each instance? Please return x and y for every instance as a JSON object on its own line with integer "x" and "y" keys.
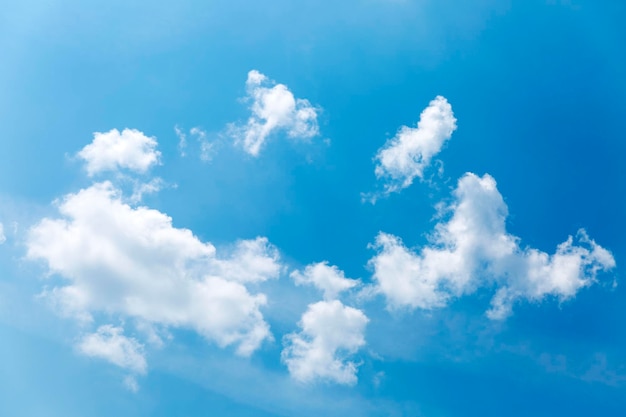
{"x": 327, "y": 278}
{"x": 411, "y": 150}
{"x": 473, "y": 248}
{"x": 274, "y": 108}
{"x": 130, "y": 261}
{"x": 331, "y": 333}
{"x": 112, "y": 151}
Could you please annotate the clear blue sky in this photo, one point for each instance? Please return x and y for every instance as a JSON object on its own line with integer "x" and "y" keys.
{"x": 207, "y": 295}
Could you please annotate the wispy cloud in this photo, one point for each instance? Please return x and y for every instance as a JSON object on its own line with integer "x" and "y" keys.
{"x": 109, "y": 343}
{"x": 182, "y": 140}
{"x": 207, "y": 147}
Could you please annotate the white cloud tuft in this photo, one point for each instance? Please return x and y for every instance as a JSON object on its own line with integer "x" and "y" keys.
{"x": 110, "y": 344}
{"x": 182, "y": 140}
{"x": 207, "y": 148}
{"x": 409, "y": 153}
{"x": 329, "y": 279}
{"x": 130, "y": 382}
{"x": 3, "y": 238}
{"x": 131, "y": 261}
{"x": 112, "y": 151}
{"x": 253, "y": 260}
{"x": 274, "y": 108}
{"x": 473, "y": 248}
{"x": 331, "y": 332}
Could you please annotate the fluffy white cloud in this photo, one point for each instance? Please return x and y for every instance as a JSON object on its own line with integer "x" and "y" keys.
{"x": 3, "y": 238}
{"x": 274, "y": 108}
{"x": 329, "y": 279}
{"x": 110, "y": 344}
{"x": 410, "y": 151}
{"x": 472, "y": 248}
{"x": 331, "y": 333}
{"x": 132, "y": 262}
{"x": 112, "y": 151}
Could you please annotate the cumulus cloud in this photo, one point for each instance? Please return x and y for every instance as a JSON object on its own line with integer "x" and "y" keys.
{"x": 331, "y": 333}
{"x": 3, "y": 238}
{"x": 110, "y": 344}
{"x": 273, "y": 109}
{"x": 329, "y": 279}
{"x": 132, "y": 262}
{"x": 410, "y": 151}
{"x": 472, "y": 248}
{"x": 112, "y": 151}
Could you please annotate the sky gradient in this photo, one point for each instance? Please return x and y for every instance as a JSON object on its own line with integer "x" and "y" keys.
{"x": 368, "y": 208}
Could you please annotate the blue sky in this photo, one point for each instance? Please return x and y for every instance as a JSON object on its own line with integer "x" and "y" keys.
{"x": 369, "y": 213}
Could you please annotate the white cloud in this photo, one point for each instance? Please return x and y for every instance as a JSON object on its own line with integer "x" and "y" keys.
{"x": 207, "y": 148}
{"x": 112, "y": 151}
{"x": 130, "y": 382}
{"x": 473, "y": 249}
{"x": 3, "y": 238}
{"x": 329, "y": 279}
{"x": 331, "y": 333}
{"x": 410, "y": 151}
{"x": 110, "y": 344}
{"x": 182, "y": 140}
{"x": 253, "y": 260}
{"x": 274, "y": 108}
{"x": 132, "y": 262}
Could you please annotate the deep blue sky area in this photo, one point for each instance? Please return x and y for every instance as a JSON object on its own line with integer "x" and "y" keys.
{"x": 538, "y": 91}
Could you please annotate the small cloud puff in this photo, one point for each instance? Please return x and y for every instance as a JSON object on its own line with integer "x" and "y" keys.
{"x": 110, "y": 344}
{"x": 274, "y": 108}
{"x": 329, "y": 279}
{"x": 114, "y": 151}
{"x": 410, "y": 151}
{"x": 473, "y": 249}
{"x": 331, "y": 332}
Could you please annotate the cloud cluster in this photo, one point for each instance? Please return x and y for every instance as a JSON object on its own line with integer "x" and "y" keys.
{"x": 109, "y": 256}
{"x": 131, "y": 261}
{"x": 410, "y": 151}
{"x": 273, "y": 109}
{"x": 112, "y": 151}
{"x": 331, "y": 332}
{"x": 472, "y": 248}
